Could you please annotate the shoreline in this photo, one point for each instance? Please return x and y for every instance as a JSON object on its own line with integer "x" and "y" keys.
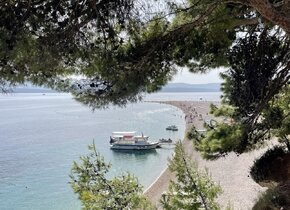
{"x": 231, "y": 172}
{"x": 191, "y": 110}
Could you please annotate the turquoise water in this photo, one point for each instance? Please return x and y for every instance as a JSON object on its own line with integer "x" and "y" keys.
{"x": 41, "y": 135}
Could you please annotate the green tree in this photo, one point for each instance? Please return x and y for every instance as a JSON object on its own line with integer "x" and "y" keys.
{"x": 192, "y": 189}
{"x": 46, "y": 42}
{"x": 255, "y": 97}
{"x": 89, "y": 180}
{"x": 277, "y": 116}
{"x": 123, "y": 48}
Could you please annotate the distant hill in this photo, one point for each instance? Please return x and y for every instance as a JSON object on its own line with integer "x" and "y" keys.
{"x": 170, "y": 87}
{"x": 32, "y": 89}
{"x": 183, "y": 87}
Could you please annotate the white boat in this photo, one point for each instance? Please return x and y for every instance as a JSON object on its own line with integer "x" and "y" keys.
{"x": 131, "y": 141}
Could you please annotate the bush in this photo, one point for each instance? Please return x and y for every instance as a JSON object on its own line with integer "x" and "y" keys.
{"x": 193, "y": 134}
{"x": 265, "y": 201}
{"x": 275, "y": 199}
{"x": 262, "y": 166}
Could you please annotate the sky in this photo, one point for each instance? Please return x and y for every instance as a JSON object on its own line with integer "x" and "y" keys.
{"x": 184, "y": 76}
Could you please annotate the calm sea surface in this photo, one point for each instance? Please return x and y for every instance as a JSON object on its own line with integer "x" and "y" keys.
{"x": 41, "y": 135}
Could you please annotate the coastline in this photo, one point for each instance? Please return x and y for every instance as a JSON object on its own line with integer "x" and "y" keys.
{"x": 231, "y": 172}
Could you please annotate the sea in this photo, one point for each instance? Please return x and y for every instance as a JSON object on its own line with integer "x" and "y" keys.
{"x": 42, "y": 134}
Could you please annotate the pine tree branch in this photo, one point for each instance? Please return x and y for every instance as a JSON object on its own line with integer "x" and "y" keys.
{"x": 194, "y": 185}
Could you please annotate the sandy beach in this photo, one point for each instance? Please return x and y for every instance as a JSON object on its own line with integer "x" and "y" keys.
{"x": 231, "y": 172}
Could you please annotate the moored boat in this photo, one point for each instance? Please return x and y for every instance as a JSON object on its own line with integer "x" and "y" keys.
{"x": 131, "y": 141}
{"x": 172, "y": 128}
{"x": 165, "y": 140}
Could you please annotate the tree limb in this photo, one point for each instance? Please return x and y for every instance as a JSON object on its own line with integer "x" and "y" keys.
{"x": 269, "y": 11}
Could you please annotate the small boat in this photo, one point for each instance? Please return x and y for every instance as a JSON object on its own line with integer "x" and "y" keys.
{"x": 165, "y": 140}
{"x": 172, "y": 128}
{"x": 131, "y": 141}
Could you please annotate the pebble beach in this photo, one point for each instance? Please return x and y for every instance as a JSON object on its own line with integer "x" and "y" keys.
{"x": 230, "y": 172}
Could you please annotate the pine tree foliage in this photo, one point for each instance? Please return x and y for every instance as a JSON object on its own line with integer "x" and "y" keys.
{"x": 89, "y": 180}
{"x": 43, "y": 41}
{"x": 277, "y": 116}
{"x": 121, "y": 48}
{"x": 192, "y": 189}
{"x": 255, "y": 96}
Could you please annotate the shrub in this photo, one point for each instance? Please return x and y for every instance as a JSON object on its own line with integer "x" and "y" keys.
{"x": 275, "y": 199}
{"x": 261, "y": 168}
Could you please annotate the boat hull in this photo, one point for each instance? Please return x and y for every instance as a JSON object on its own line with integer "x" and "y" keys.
{"x": 148, "y": 146}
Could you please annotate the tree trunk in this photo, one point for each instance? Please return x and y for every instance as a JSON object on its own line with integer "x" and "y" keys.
{"x": 268, "y": 11}
{"x": 278, "y": 14}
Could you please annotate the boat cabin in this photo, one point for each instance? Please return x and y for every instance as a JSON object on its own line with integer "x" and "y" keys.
{"x": 128, "y": 137}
